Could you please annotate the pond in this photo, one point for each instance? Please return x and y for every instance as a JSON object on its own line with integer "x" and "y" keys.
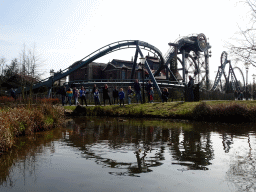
{"x": 115, "y": 154}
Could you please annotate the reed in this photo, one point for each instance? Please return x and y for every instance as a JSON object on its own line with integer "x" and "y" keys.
{"x": 25, "y": 120}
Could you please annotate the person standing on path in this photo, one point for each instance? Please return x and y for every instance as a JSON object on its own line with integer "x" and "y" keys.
{"x": 151, "y": 95}
{"x": 137, "y": 90}
{"x": 115, "y": 95}
{"x": 75, "y": 95}
{"x": 129, "y": 94}
{"x": 63, "y": 95}
{"x": 148, "y": 88}
{"x": 105, "y": 94}
{"x": 69, "y": 94}
{"x": 82, "y": 96}
{"x": 165, "y": 95}
{"x": 96, "y": 97}
{"x": 190, "y": 89}
{"x": 121, "y": 96}
{"x": 93, "y": 90}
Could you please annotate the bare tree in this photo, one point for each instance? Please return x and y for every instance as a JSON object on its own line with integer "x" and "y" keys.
{"x": 29, "y": 65}
{"x": 243, "y": 46}
{"x": 2, "y": 65}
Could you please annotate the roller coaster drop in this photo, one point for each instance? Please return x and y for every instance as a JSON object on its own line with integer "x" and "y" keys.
{"x": 194, "y": 62}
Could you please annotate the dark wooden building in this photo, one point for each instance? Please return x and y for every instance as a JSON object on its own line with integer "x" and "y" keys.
{"x": 116, "y": 69}
{"x": 120, "y": 69}
{"x": 91, "y": 71}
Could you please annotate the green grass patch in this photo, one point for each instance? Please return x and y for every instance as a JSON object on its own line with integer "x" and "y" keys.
{"x": 221, "y": 111}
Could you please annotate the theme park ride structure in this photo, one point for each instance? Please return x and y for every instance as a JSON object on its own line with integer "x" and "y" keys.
{"x": 192, "y": 61}
{"x": 230, "y": 82}
{"x": 119, "y": 45}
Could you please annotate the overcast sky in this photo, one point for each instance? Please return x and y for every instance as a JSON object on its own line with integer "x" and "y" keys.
{"x": 65, "y": 31}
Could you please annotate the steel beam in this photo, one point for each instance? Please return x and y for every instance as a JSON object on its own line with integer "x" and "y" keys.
{"x": 150, "y": 73}
{"x": 134, "y": 63}
{"x": 184, "y": 66}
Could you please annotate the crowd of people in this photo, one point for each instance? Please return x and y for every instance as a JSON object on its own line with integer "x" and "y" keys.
{"x": 118, "y": 96}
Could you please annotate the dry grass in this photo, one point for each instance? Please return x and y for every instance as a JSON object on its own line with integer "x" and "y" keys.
{"x": 27, "y": 120}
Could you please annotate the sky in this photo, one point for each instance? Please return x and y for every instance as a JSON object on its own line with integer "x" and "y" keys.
{"x": 65, "y": 31}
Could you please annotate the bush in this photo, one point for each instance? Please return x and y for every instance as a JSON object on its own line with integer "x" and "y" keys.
{"x": 229, "y": 113}
{"x": 5, "y": 99}
{"x": 26, "y": 121}
{"x": 52, "y": 101}
{"x": 202, "y": 112}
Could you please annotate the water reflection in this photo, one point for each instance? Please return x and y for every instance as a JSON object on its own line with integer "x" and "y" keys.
{"x": 194, "y": 150}
{"x": 25, "y": 156}
{"x": 133, "y": 147}
{"x": 99, "y": 141}
{"x": 242, "y": 170}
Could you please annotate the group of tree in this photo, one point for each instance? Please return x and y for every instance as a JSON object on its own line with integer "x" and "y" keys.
{"x": 21, "y": 72}
{"x": 242, "y": 46}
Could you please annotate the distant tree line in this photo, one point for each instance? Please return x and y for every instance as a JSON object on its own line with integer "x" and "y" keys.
{"x": 22, "y": 72}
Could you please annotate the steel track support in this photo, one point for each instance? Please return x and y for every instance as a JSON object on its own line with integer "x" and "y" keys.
{"x": 184, "y": 67}
{"x": 134, "y": 63}
{"x": 207, "y": 69}
{"x": 150, "y": 73}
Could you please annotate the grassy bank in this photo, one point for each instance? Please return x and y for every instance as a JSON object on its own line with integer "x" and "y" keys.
{"x": 213, "y": 111}
{"x": 25, "y": 120}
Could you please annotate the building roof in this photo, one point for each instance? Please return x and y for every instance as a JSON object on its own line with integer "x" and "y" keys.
{"x": 92, "y": 63}
{"x": 153, "y": 59}
{"x": 118, "y": 64}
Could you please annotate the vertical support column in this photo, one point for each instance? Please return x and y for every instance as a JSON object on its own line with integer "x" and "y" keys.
{"x": 184, "y": 67}
{"x": 167, "y": 72}
{"x": 150, "y": 74}
{"x": 134, "y": 63}
{"x": 207, "y": 69}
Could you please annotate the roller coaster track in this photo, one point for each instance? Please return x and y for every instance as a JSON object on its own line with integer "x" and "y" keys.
{"x": 170, "y": 54}
{"x": 219, "y": 74}
{"x": 231, "y": 75}
{"x": 183, "y": 45}
{"x": 119, "y": 45}
{"x": 194, "y": 41}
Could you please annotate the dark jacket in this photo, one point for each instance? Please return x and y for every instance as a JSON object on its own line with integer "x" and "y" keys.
{"x": 105, "y": 93}
{"x": 137, "y": 87}
{"x": 115, "y": 93}
{"x": 165, "y": 95}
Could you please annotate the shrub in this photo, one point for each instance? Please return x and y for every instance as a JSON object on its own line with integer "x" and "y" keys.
{"x": 25, "y": 121}
{"x": 52, "y": 101}
{"x": 229, "y": 113}
{"x": 5, "y": 99}
{"x": 202, "y": 112}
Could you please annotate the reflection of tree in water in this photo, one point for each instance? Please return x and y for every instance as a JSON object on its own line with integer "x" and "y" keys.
{"x": 242, "y": 171}
{"x": 227, "y": 141}
{"x": 194, "y": 151}
{"x": 120, "y": 137}
{"x": 25, "y": 156}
